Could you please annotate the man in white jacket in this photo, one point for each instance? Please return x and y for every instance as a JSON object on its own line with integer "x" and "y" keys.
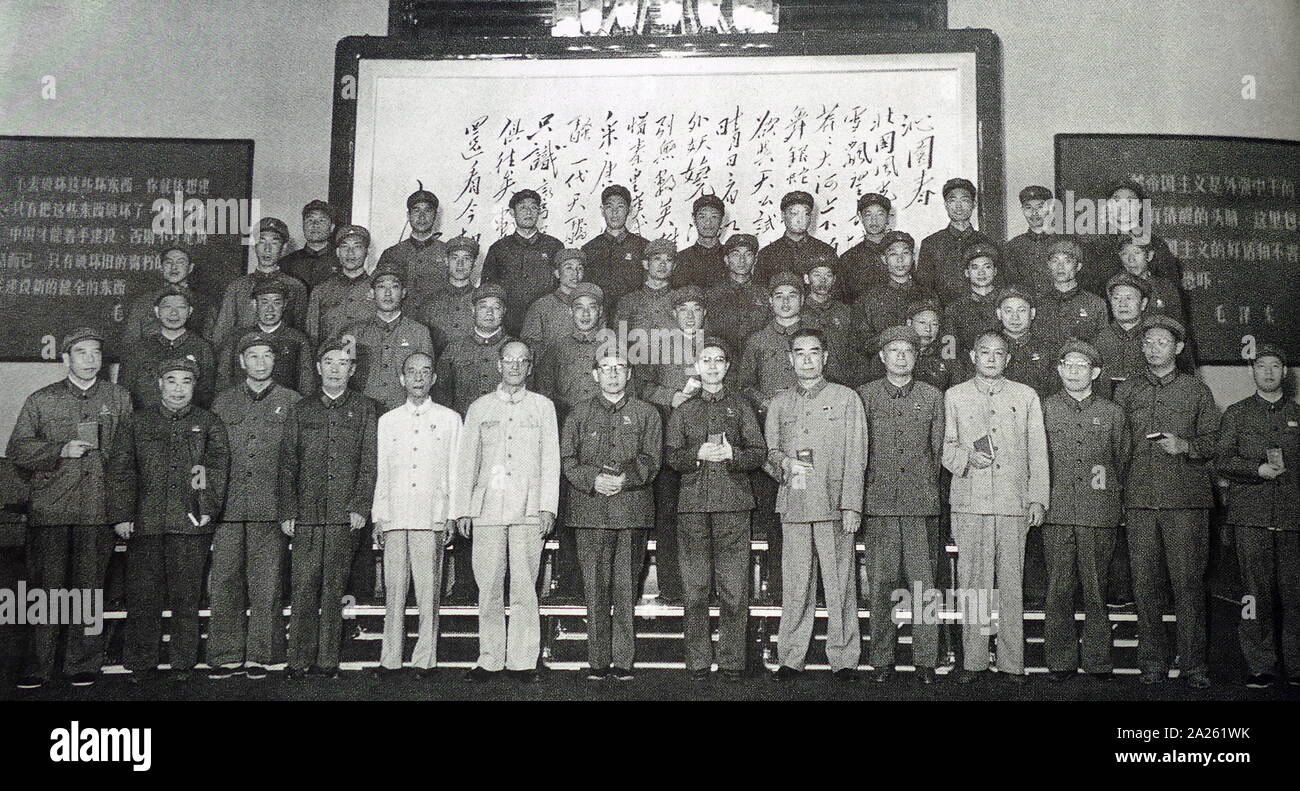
{"x": 507, "y": 491}
{"x": 412, "y": 510}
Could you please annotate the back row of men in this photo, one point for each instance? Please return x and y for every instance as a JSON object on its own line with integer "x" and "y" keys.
{"x": 176, "y": 480}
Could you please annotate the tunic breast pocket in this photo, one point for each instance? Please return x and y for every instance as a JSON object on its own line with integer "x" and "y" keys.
{"x": 627, "y": 438}
{"x": 489, "y": 432}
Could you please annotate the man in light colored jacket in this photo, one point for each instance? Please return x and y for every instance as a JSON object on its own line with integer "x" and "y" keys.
{"x": 995, "y": 447}
{"x": 412, "y": 510}
{"x": 507, "y": 492}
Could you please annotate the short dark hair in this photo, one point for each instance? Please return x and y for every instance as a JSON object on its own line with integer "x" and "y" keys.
{"x": 1006, "y": 344}
{"x": 501, "y": 350}
{"x": 809, "y": 332}
{"x": 413, "y": 355}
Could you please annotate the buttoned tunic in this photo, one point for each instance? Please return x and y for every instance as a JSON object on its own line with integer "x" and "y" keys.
{"x": 765, "y": 367}
{"x": 714, "y": 486}
{"x": 255, "y": 425}
{"x": 508, "y": 459}
{"x": 737, "y": 310}
{"x": 615, "y": 265}
{"x": 564, "y": 373}
{"x": 829, "y": 420}
{"x": 295, "y": 359}
{"x": 1062, "y": 315}
{"x": 1090, "y": 447}
{"x": 627, "y": 436}
{"x": 1011, "y": 416}
{"x": 381, "y": 348}
{"x": 1179, "y": 404}
{"x": 784, "y": 254}
{"x": 239, "y": 308}
{"x": 701, "y": 266}
{"x": 526, "y": 268}
{"x": 328, "y": 460}
{"x": 941, "y": 261}
{"x": 336, "y": 303}
{"x": 468, "y": 369}
{"x": 424, "y": 265}
{"x": 1249, "y": 428}
{"x": 905, "y": 427}
{"x": 448, "y": 313}
{"x": 416, "y": 472}
{"x": 548, "y": 320}
{"x": 140, "y": 370}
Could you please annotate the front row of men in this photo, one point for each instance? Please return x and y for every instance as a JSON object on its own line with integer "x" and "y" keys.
{"x": 175, "y": 479}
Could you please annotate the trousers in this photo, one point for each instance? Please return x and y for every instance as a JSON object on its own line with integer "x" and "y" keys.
{"x": 990, "y": 568}
{"x": 900, "y": 545}
{"x": 518, "y": 547}
{"x": 1077, "y": 556}
{"x": 320, "y": 563}
{"x": 611, "y": 569}
{"x": 715, "y": 554}
{"x": 1170, "y": 547}
{"x": 808, "y": 547}
{"x": 66, "y": 556}
{"x": 247, "y": 567}
{"x": 412, "y": 555}
{"x": 164, "y": 571}
{"x": 1270, "y": 574}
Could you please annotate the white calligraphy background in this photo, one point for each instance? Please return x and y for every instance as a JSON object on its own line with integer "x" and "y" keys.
{"x": 670, "y": 129}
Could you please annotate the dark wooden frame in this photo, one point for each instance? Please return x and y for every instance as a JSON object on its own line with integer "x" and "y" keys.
{"x": 983, "y": 43}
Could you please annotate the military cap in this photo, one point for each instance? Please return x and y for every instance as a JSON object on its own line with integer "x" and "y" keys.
{"x": 274, "y": 224}
{"x": 1081, "y": 347}
{"x": 389, "y": 270}
{"x": 1125, "y": 279}
{"x": 358, "y": 231}
{"x": 489, "y": 290}
{"x": 1008, "y": 292}
{"x": 795, "y": 198}
{"x": 1159, "y": 321}
{"x": 1035, "y": 192}
{"x": 588, "y": 290}
{"x": 570, "y": 254}
{"x": 320, "y": 206}
{"x": 981, "y": 250}
{"x": 463, "y": 242}
{"x": 173, "y": 290}
{"x": 659, "y": 246}
{"x": 921, "y": 305}
{"x": 250, "y": 339}
{"x": 718, "y": 343}
{"x": 177, "y": 246}
{"x": 178, "y": 364}
{"x": 898, "y": 236}
{"x": 815, "y": 260}
{"x": 740, "y": 240}
{"x": 958, "y": 183}
{"x": 80, "y": 334}
{"x": 785, "y": 278}
{"x": 691, "y": 293}
{"x": 709, "y": 202}
{"x": 270, "y": 285}
{"x": 1270, "y": 350}
{"x": 523, "y": 195}
{"x": 874, "y": 199}
{"x": 616, "y": 191}
{"x": 899, "y": 333}
{"x": 1066, "y": 246}
{"x": 333, "y": 345}
{"x": 421, "y": 195}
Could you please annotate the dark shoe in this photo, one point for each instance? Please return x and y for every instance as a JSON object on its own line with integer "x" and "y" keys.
{"x": 86, "y": 679}
{"x": 426, "y": 673}
{"x": 179, "y": 676}
{"x": 479, "y": 675}
{"x": 786, "y": 673}
{"x": 699, "y": 675}
{"x": 296, "y": 673}
{"x": 1293, "y": 680}
{"x": 622, "y": 674}
{"x": 733, "y": 676}
{"x": 31, "y": 682}
{"x": 1019, "y": 679}
{"x": 597, "y": 673}
{"x": 927, "y": 675}
{"x": 524, "y": 676}
{"x": 1153, "y": 676}
{"x": 316, "y": 671}
{"x": 385, "y": 673}
{"x": 1103, "y": 676}
{"x": 1198, "y": 679}
{"x": 1260, "y": 681}
{"x": 881, "y": 675}
{"x": 845, "y": 675}
{"x": 1060, "y": 676}
{"x": 965, "y": 676}
{"x": 255, "y": 672}
{"x": 225, "y": 671}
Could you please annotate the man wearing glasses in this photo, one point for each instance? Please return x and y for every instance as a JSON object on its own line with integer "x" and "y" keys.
{"x": 996, "y": 449}
{"x": 1174, "y": 424}
{"x": 507, "y": 491}
{"x": 610, "y": 451}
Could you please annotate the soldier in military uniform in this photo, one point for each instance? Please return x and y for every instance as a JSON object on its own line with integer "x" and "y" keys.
{"x": 1029, "y": 348}
{"x": 173, "y": 340}
{"x": 702, "y": 264}
{"x": 1026, "y": 254}
{"x": 421, "y": 258}
{"x": 976, "y": 311}
{"x": 344, "y": 298}
{"x": 295, "y": 359}
{"x": 862, "y": 267}
{"x": 939, "y": 264}
{"x": 522, "y": 262}
{"x": 237, "y": 307}
{"x": 60, "y": 442}
{"x": 248, "y": 546}
{"x": 168, "y": 475}
{"x": 315, "y": 262}
{"x": 650, "y": 306}
{"x": 822, "y": 311}
{"x": 884, "y": 306}
{"x": 1066, "y": 311}
{"x": 1120, "y": 342}
{"x": 738, "y": 306}
{"x": 614, "y": 255}
{"x": 550, "y": 318}
{"x": 325, "y": 489}
{"x": 386, "y": 339}
{"x": 449, "y": 312}
{"x": 177, "y": 265}
{"x": 797, "y": 246}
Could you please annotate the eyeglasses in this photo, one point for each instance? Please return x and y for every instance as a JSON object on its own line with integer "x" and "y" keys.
{"x": 515, "y": 360}
{"x": 1076, "y": 366}
{"x": 609, "y": 369}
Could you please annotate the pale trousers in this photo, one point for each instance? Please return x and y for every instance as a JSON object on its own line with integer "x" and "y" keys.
{"x": 412, "y": 555}
{"x": 991, "y": 558}
{"x": 808, "y": 546}
{"x": 519, "y": 546}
